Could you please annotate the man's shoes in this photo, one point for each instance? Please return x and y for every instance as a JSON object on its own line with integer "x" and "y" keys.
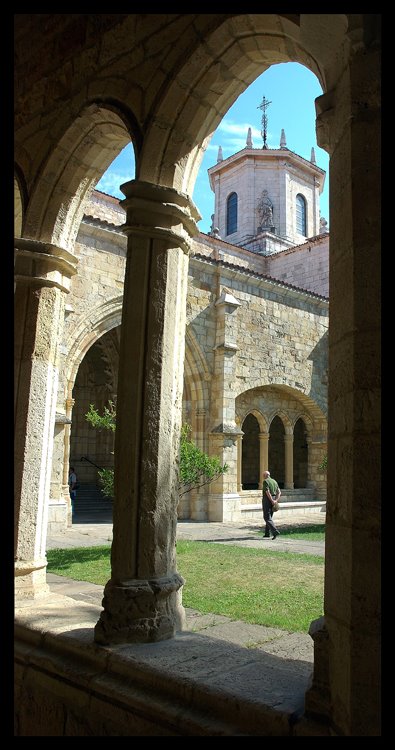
{"x": 266, "y": 536}
{"x": 276, "y": 535}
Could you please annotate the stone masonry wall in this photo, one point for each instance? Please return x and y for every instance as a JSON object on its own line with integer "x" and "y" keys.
{"x": 306, "y": 266}
{"x": 279, "y": 331}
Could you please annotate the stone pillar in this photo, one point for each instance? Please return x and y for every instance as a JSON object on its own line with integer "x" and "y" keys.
{"x": 66, "y": 457}
{"x": 223, "y": 498}
{"x": 263, "y": 456}
{"x": 42, "y": 280}
{"x": 58, "y": 503}
{"x": 200, "y": 428}
{"x": 239, "y": 462}
{"x": 349, "y": 126}
{"x": 289, "y": 460}
{"x": 316, "y": 477}
{"x": 141, "y": 600}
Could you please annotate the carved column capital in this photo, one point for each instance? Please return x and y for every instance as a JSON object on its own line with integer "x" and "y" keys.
{"x": 43, "y": 264}
{"x": 160, "y": 213}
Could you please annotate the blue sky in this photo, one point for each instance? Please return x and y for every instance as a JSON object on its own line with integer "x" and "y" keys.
{"x": 291, "y": 89}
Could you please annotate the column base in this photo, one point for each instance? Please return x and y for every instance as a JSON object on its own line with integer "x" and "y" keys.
{"x": 317, "y": 698}
{"x": 224, "y": 507}
{"x": 141, "y": 611}
{"x": 30, "y": 580}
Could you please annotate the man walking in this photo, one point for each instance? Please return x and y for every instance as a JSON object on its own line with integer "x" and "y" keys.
{"x": 72, "y": 489}
{"x": 270, "y": 493}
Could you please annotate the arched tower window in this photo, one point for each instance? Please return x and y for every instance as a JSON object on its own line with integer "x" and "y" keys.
{"x": 301, "y": 213}
{"x": 231, "y": 214}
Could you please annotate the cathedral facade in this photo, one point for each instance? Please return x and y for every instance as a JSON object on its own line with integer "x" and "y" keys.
{"x": 256, "y": 341}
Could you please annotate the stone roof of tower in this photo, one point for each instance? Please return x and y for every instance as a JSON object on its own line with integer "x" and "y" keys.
{"x": 247, "y": 152}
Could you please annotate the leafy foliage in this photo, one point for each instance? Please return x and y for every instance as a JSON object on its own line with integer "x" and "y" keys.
{"x": 324, "y": 463}
{"x": 195, "y": 470}
{"x": 106, "y": 479}
{"x": 105, "y": 421}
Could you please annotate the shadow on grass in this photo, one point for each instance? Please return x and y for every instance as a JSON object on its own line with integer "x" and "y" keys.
{"x": 62, "y": 558}
{"x": 317, "y": 528}
{"x": 300, "y": 530}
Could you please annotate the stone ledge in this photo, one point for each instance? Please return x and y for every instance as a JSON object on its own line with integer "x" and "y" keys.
{"x": 191, "y": 685}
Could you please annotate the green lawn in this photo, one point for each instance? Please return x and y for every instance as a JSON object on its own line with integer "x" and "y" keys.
{"x": 313, "y": 533}
{"x": 275, "y": 589}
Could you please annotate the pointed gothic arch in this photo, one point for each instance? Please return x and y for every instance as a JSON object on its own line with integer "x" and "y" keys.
{"x": 71, "y": 170}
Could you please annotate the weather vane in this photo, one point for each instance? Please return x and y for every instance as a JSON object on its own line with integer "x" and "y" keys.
{"x": 264, "y": 107}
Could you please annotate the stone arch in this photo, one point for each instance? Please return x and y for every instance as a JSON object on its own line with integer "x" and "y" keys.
{"x": 283, "y": 416}
{"x": 95, "y": 383}
{"x": 300, "y": 454}
{"x": 276, "y": 453}
{"x": 196, "y": 370}
{"x": 250, "y": 453}
{"x": 232, "y": 56}
{"x": 103, "y": 318}
{"x": 261, "y": 419}
{"x": 77, "y": 161}
{"x": 84, "y": 334}
{"x": 196, "y": 393}
{"x": 20, "y": 198}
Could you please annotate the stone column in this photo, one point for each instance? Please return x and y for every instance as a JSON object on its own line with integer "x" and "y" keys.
{"x": 58, "y": 505}
{"x": 200, "y": 428}
{"x": 349, "y": 126}
{"x": 289, "y": 460}
{"x": 263, "y": 456}
{"x": 316, "y": 478}
{"x": 42, "y": 280}
{"x": 239, "y": 462}
{"x": 66, "y": 457}
{"x": 141, "y": 600}
{"x": 224, "y": 499}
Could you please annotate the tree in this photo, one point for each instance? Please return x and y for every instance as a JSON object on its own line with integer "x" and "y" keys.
{"x": 196, "y": 468}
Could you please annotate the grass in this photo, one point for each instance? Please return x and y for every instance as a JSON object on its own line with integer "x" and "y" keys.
{"x": 314, "y": 533}
{"x": 275, "y": 589}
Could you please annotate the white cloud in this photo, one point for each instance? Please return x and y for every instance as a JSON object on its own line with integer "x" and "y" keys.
{"x": 111, "y": 181}
{"x": 240, "y": 129}
{"x": 232, "y": 136}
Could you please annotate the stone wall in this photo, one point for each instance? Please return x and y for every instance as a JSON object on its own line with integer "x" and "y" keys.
{"x": 279, "y": 335}
{"x": 306, "y": 266}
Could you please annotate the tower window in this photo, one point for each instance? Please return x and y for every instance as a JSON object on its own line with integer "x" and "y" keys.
{"x": 301, "y": 215}
{"x": 231, "y": 214}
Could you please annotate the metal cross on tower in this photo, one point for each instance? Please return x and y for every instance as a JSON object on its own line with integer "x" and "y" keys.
{"x": 264, "y": 107}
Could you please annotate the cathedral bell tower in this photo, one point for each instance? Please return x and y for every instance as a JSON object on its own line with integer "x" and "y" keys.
{"x": 266, "y": 199}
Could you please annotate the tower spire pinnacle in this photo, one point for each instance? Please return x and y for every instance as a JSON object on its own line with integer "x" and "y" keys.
{"x": 219, "y": 156}
{"x": 249, "y": 139}
{"x": 283, "y": 140}
{"x": 263, "y": 106}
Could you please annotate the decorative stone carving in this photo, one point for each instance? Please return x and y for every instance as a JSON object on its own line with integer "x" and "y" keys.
{"x": 323, "y": 226}
{"x": 265, "y": 211}
{"x": 140, "y": 611}
{"x": 214, "y": 231}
